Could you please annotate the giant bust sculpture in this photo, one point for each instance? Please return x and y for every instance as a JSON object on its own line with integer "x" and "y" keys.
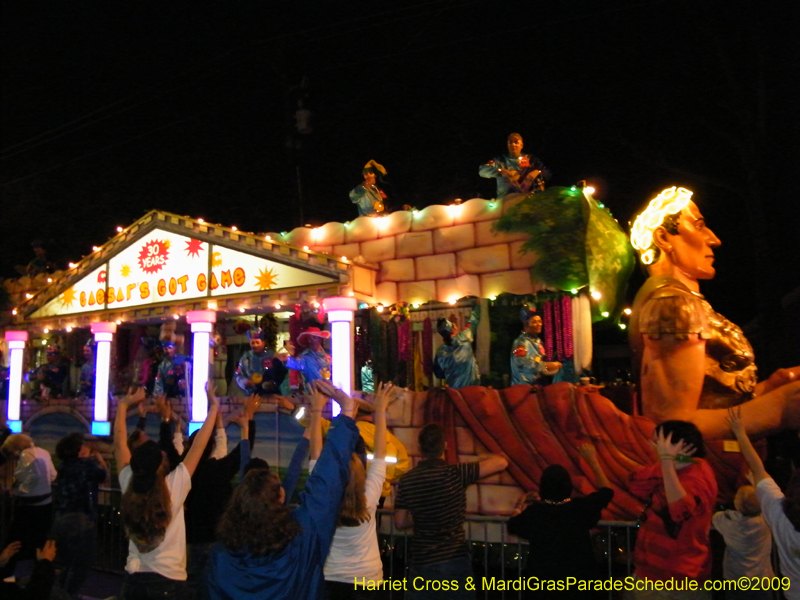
{"x": 694, "y": 363}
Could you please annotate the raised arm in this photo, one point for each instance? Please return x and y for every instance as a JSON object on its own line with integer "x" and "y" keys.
{"x": 746, "y": 446}
{"x": 192, "y": 458}
{"x": 122, "y": 453}
{"x": 347, "y": 403}
{"x": 667, "y": 455}
{"x": 589, "y": 453}
{"x": 491, "y": 464}
{"x": 383, "y": 395}
{"x": 318, "y": 401}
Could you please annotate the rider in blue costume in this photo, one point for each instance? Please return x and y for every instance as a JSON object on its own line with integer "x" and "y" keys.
{"x": 366, "y": 195}
{"x": 516, "y": 172}
{"x": 527, "y": 352}
{"x": 454, "y": 360}
{"x": 312, "y": 362}
{"x": 171, "y": 377}
{"x": 261, "y": 370}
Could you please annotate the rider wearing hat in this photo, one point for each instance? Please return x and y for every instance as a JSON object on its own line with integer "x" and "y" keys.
{"x": 454, "y": 360}
{"x": 527, "y": 352}
{"x": 171, "y": 377}
{"x": 260, "y": 370}
{"x": 313, "y": 362}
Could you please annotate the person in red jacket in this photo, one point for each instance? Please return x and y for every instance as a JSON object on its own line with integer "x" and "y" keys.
{"x": 679, "y": 493}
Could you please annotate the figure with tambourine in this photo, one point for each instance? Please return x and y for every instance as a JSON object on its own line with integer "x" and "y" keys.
{"x": 516, "y": 172}
{"x": 370, "y": 199}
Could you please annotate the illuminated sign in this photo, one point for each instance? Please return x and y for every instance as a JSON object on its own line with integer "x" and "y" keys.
{"x": 165, "y": 266}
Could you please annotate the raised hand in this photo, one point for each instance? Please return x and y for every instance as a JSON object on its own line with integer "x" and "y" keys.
{"x": 8, "y": 552}
{"x": 735, "y": 422}
{"x": 134, "y": 396}
{"x": 211, "y": 391}
{"x": 251, "y": 405}
{"x": 47, "y": 552}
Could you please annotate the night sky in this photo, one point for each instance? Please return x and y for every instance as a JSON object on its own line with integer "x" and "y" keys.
{"x": 111, "y": 109}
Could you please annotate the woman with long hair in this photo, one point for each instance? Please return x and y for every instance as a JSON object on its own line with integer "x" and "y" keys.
{"x": 267, "y": 550}
{"x": 354, "y": 554}
{"x": 152, "y": 506}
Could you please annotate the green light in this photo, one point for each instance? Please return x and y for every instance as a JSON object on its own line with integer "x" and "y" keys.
{"x": 491, "y": 204}
{"x": 574, "y": 291}
{"x": 573, "y": 189}
{"x": 283, "y": 234}
{"x": 601, "y": 205}
{"x": 623, "y": 326}
{"x": 605, "y": 314}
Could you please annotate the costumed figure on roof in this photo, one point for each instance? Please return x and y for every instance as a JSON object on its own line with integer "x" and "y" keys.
{"x": 261, "y": 370}
{"x": 313, "y": 362}
{"x": 172, "y": 376}
{"x": 528, "y": 362}
{"x": 369, "y": 198}
{"x": 39, "y": 264}
{"x": 516, "y": 172}
{"x": 52, "y": 375}
{"x": 693, "y": 362}
{"x": 86, "y": 383}
{"x": 454, "y": 361}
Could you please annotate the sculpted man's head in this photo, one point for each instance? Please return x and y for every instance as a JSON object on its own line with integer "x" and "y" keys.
{"x": 672, "y": 239}
{"x": 514, "y": 143}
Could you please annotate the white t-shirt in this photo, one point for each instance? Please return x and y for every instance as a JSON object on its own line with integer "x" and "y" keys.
{"x": 354, "y": 552}
{"x": 169, "y": 558}
{"x": 34, "y": 474}
{"x": 787, "y": 538}
{"x": 748, "y": 544}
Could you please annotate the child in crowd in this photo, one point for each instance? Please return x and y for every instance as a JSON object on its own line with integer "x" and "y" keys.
{"x": 748, "y": 542}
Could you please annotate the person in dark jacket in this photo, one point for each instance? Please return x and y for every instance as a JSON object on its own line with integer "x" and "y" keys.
{"x": 558, "y": 526}
{"x": 80, "y": 474}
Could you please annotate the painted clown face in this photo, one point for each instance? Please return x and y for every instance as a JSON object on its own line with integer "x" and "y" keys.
{"x": 257, "y": 345}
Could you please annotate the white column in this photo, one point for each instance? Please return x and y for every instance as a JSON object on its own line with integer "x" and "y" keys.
{"x": 103, "y": 335}
{"x": 16, "y": 347}
{"x": 340, "y": 315}
{"x": 202, "y": 322}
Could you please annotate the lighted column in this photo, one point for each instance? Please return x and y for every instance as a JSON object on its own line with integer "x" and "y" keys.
{"x": 103, "y": 334}
{"x": 202, "y": 322}
{"x": 16, "y": 347}
{"x": 340, "y": 315}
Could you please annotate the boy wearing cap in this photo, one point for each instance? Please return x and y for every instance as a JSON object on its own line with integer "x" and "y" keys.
{"x": 527, "y": 352}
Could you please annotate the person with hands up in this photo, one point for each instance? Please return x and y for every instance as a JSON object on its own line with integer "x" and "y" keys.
{"x": 354, "y": 554}
{"x": 267, "y": 550}
{"x": 152, "y": 505}
{"x": 781, "y": 511}
{"x": 40, "y": 583}
{"x": 679, "y": 492}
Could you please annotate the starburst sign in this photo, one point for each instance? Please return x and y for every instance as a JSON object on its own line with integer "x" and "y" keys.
{"x": 154, "y": 255}
{"x": 193, "y": 248}
{"x": 266, "y": 278}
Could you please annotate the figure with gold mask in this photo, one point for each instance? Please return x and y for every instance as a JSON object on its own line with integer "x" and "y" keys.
{"x": 693, "y": 363}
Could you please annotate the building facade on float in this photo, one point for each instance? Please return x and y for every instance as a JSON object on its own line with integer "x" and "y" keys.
{"x": 168, "y": 275}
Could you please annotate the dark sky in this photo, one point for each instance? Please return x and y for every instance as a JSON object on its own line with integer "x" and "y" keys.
{"x": 113, "y": 109}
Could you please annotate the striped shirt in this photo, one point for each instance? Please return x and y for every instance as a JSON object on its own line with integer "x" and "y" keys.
{"x": 434, "y": 494}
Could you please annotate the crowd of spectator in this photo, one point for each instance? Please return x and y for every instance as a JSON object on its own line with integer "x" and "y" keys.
{"x": 208, "y": 524}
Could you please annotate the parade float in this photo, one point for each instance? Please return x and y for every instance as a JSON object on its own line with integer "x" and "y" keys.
{"x": 378, "y": 283}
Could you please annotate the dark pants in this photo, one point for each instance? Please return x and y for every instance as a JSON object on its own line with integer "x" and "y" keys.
{"x": 196, "y": 559}
{"x": 347, "y": 591}
{"x": 151, "y": 586}
{"x": 76, "y": 538}
{"x": 427, "y": 582}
